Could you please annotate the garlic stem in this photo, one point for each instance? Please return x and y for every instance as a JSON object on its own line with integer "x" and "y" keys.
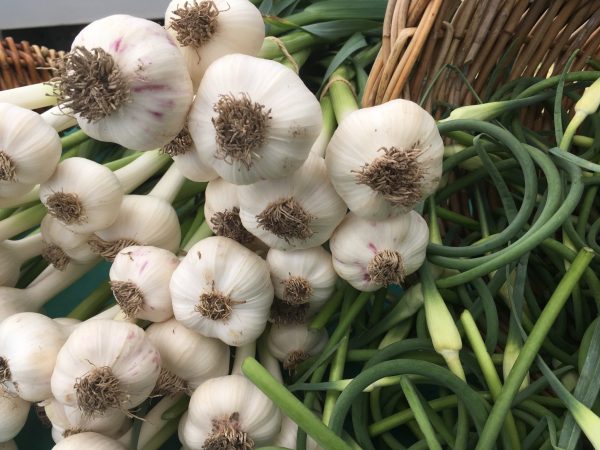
{"x": 169, "y": 185}
{"x": 13, "y": 202}
{"x": 33, "y": 96}
{"x": 135, "y": 173}
{"x": 241, "y": 353}
{"x": 202, "y": 232}
{"x": 108, "y": 314}
{"x": 26, "y": 248}
{"x": 52, "y": 281}
{"x": 92, "y": 303}
{"x": 59, "y": 119}
{"x": 21, "y": 221}
{"x": 329, "y": 124}
{"x": 73, "y": 139}
{"x": 342, "y": 94}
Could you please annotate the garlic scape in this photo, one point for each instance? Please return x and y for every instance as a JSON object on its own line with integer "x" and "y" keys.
{"x": 372, "y": 254}
{"x": 89, "y": 441}
{"x": 141, "y": 220}
{"x": 14, "y": 253}
{"x": 105, "y": 364}
{"x": 229, "y": 412}
{"x": 139, "y": 279}
{"x": 188, "y": 358}
{"x": 223, "y": 290}
{"x": 69, "y": 420}
{"x": 244, "y": 124}
{"x": 126, "y": 82}
{"x": 385, "y": 159}
{"x": 300, "y": 211}
{"x": 292, "y": 344}
{"x": 14, "y": 411}
{"x": 29, "y": 150}
{"x": 29, "y": 344}
{"x": 62, "y": 246}
{"x": 206, "y": 30}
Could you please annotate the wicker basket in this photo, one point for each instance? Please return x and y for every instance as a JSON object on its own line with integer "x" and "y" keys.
{"x": 489, "y": 41}
{"x": 22, "y": 64}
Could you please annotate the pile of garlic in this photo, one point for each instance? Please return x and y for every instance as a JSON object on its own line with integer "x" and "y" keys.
{"x": 197, "y": 92}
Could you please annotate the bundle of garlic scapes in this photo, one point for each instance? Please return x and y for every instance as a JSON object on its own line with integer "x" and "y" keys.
{"x": 186, "y": 300}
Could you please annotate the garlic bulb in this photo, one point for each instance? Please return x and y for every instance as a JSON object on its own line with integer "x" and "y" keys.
{"x": 67, "y": 324}
{"x": 105, "y": 364}
{"x": 292, "y": 344}
{"x": 29, "y": 344}
{"x": 89, "y": 441}
{"x": 14, "y": 411}
{"x": 61, "y": 245}
{"x": 370, "y": 255}
{"x": 188, "y": 358}
{"x": 14, "y": 253}
{"x": 68, "y": 420}
{"x": 302, "y": 277}
{"x": 232, "y": 412}
{"x": 139, "y": 279}
{"x": 206, "y": 30}
{"x": 223, "y": 290}
{"x": 29, "y": 150}
{"x": 222, "y": 212}
{"x": 142, "y": 220}
{"x": 297, "y": 212}
{"x": 245, "y": 123}
{"x": 83, "y": 195}
{"x": 185, "y": 156}
{"x": 145, "y": 102}
{"x": 287, "y": 436}
{"x": 385, "y": 159}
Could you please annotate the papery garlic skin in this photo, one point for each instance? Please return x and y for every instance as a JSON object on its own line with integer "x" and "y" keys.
{"x": 116, "y": 350}
{"x": 316, "y": 208}
{"x": 89, "y": 441}
{"x": 218, "y": 399}
{"x": 292, "y": 344}
{"x": 29, "y": 150}
{"x": 260, "y": 90}
{"x": 229, "y": 284}
{"x": 83, "y": 195}
{"x": 142, "y": 220}
{"x": 159, "y": 88}
{"x": 13, "y": 411}
{"x": 236, "y": 26}
{"x": 29, "y": 345}
{"x": 67, "y": 419}
{"x": 139, "y": 278}
{"x": 302, "y": 276}
{"x": 360, "y": 249}
{"x": 191, "y": 357}
{"x": 404, "y": 132}
{"x": 62, "y": 245}
{"x": 287, "y": 436}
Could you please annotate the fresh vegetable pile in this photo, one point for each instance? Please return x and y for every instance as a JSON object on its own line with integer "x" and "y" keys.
{"x": 282, "y": 269}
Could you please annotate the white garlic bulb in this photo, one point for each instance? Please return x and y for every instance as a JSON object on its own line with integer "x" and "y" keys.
{"x": 302, "y": 277}
{"x": 139, "y": 279}
{"x": 232, "y": 411}
{"x": 68, "y": 420}
{"x": 245, "y": 124}
{"x": 287, "y": 436}
{"x": 223, "y": 290}
{"x": 385, "y": 159}
{"x": 67, "y": 324}
{"x": 188, "y": 358}
{"x": 222, "y": 212}
{"x": 14, "y": 411}
{"x": 297, "y": 212}
{"x": 150, "y": 91}
{"x": 142, "y": 220}
{"x": 292, "y": 344}
{"x": 372, "y": 254}
{"x": 83, "y": 195}
{"x": 29, "y": 150}
{"x": 29, "y": 344}
{"x": 208, "y": 29}
{"x": 186, "y": 158}
{"x": 89, "y": 441}
{"x": 105, "y": 364}
{"x": 61, "y": 245}
{"x": 14, "y": 253}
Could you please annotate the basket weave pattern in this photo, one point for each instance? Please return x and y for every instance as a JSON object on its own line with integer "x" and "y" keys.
{"x": 22, "y": 64}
